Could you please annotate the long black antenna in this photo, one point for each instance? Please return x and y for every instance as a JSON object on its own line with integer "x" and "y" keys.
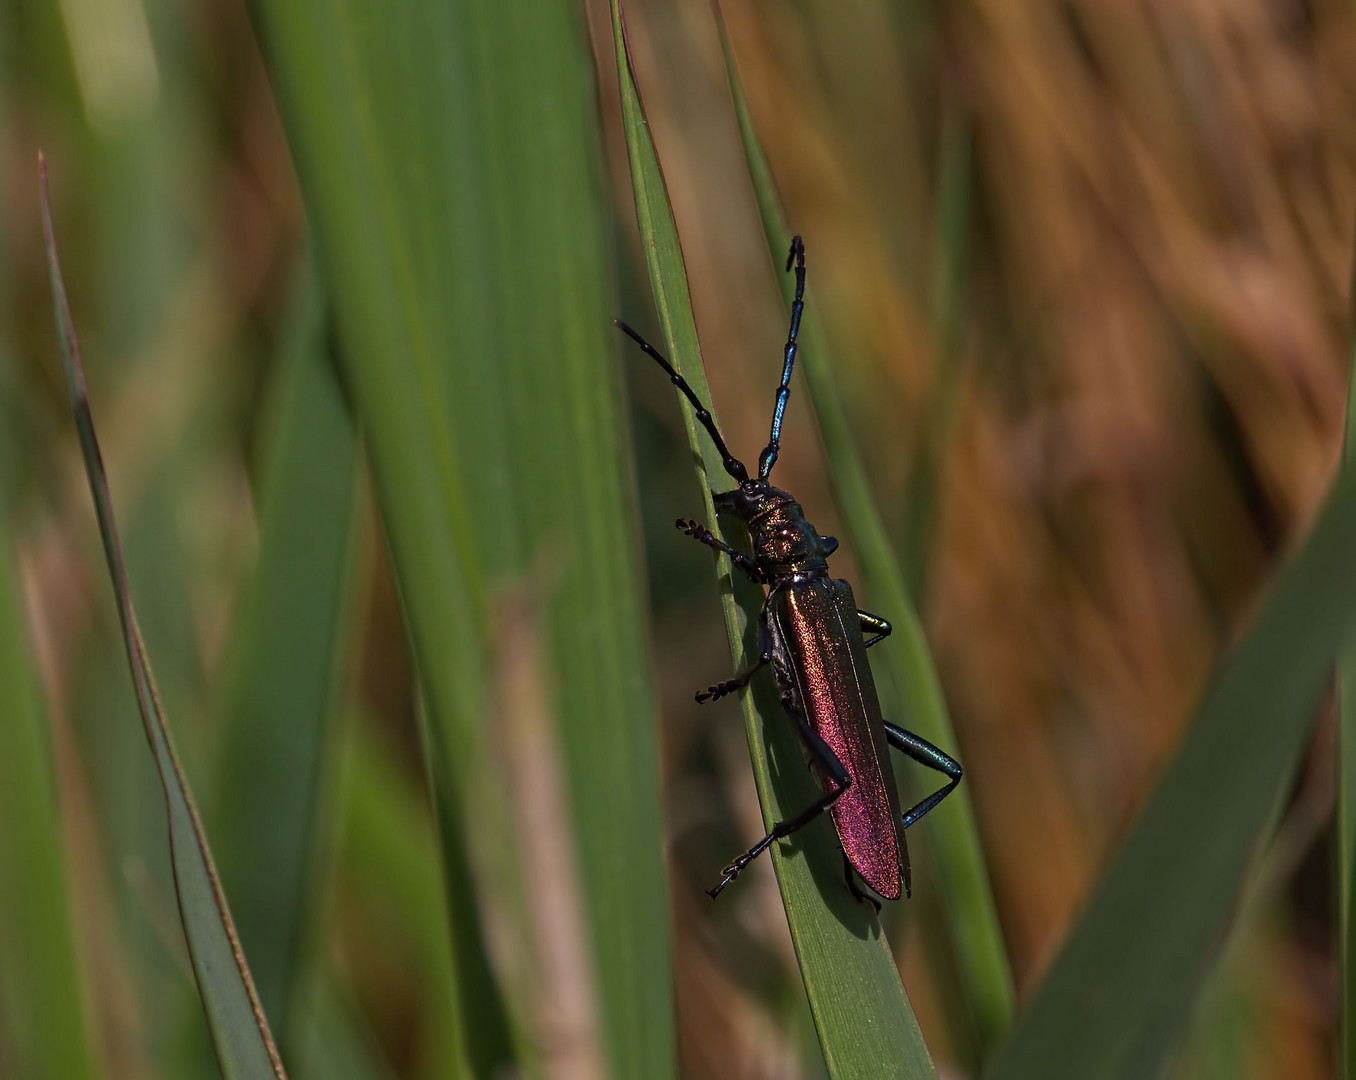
{"x": 733, "y": 465}
{"x": 768, "y": 457}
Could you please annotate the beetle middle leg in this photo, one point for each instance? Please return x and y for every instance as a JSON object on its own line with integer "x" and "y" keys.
{"x": 718, "y": 690}
{"x": 839, "y": 779}
{"x": 874, "y": 624}
{"x": 920, "y": 750}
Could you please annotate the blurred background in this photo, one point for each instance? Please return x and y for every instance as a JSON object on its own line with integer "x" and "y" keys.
{"x": 1086, "y": 268}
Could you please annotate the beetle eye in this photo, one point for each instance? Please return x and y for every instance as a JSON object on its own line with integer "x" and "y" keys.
{"x": 828, "y": 544}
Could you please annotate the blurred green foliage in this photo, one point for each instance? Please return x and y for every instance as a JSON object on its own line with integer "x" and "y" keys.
{"x": 1082, "y": 272}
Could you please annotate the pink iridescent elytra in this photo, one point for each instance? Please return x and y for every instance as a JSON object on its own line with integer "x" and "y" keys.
{"x": 817, "y": 625}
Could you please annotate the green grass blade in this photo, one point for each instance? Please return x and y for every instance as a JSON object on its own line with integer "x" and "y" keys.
{"x": 43, "y": 1032}
{"x": 240, "y": 1034}
{"x": 330, "y": 68}
{"x": 1346, "y": 770}
{"x": 388, "y": 859}
{"x": 286, "y": 661}
{"x": 862, "y": 1015}
{"x": 447, "y": 154}
{"x": 1119, "y": 995}
{"x": 334, "y": 1044}
{"x": 907, "y": 680}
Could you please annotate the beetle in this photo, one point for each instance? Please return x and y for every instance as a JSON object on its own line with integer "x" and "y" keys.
{"x": 813, "y": 636}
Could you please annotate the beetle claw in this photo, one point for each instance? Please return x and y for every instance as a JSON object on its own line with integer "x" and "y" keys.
{"x": 727, "y": 876}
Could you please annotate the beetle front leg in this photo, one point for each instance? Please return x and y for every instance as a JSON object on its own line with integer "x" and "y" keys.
{"x": 838, "y": 777}
{"x": 703, "y": 535}
{"x": 923, "y": 752}
{"x": 874, "y": 624}
{"x": 718, "y": 690}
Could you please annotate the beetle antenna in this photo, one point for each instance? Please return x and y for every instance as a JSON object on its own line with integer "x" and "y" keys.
{"x": 732, "y": 464}
{"x": 768, "y": 457}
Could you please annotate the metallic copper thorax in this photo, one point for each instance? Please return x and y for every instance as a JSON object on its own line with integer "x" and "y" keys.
{"x": 782, "y": 539}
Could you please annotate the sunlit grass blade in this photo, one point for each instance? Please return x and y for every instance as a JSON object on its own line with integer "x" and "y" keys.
{"x": 1346, "y": 770}
{"x": 1119, "y": 994}
{"x": 909, "y": 688}
{"x": 286, "y": 661}
{"x": 862, "y": 1015}
{"x": 448, "y": 156}
{"x": 240, "y": 1033}
{"x": 43, "y": 1032}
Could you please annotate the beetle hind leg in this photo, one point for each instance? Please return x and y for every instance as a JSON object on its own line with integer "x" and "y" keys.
{"x": 839, "y": 779}
{"x": 920, "y": 750}
{"x": 875, "y": 625}
{"x": 856, "y": 890}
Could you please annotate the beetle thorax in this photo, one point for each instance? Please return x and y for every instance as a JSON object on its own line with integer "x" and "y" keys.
{"x": 784, "y": 543}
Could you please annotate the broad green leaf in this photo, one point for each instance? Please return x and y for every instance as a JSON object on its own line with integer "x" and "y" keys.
{"x": 910, "y": 690}
{"x": 43, "y": 1032}
{"x": 448, "y": 158}
{"x": 240, "y": 1033}
{"x": 287, "y": 660}
{"x": 862, "y": 1015}
{"x": 1119, "y": 994}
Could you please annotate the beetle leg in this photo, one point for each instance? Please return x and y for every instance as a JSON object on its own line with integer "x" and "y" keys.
{"x": 838, "y": 777}
{"x": 923, "y": 752}
{"x": 720, "y": 689}
{"x": 874, "y": 624}
{"x": 854, "y": 888}
{"x": 703, "y": 535}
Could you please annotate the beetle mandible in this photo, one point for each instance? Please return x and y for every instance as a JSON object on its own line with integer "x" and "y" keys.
{"x": 812, "y": 634}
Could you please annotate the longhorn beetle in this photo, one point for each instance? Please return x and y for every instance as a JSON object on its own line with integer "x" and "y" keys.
{"x": 812, "y": 634}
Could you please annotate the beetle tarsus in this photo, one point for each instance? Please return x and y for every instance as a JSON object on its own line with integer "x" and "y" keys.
{"x": 716, "y": 691}
{"x": 740, "y": 864}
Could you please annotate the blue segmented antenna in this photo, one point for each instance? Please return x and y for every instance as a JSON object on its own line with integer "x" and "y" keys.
{"x": 768, "y": 457}
{"x": 732, "y": 464}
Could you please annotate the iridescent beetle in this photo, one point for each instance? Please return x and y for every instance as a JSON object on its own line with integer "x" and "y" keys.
{"x": 813, "y": 635}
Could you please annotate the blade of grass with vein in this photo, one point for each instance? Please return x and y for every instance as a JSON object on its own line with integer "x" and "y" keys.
{"x": 865, "y": 1024}
{"x": 1346, "y": 768}
{"x": 43, "y": 1031}
{"x": 1119, "y": 994}
{"x": 907, "y": 681}
{"x": 447, "y": 154}
{"x": 285, "y": 662}
{"x": 240, "y": 1033}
